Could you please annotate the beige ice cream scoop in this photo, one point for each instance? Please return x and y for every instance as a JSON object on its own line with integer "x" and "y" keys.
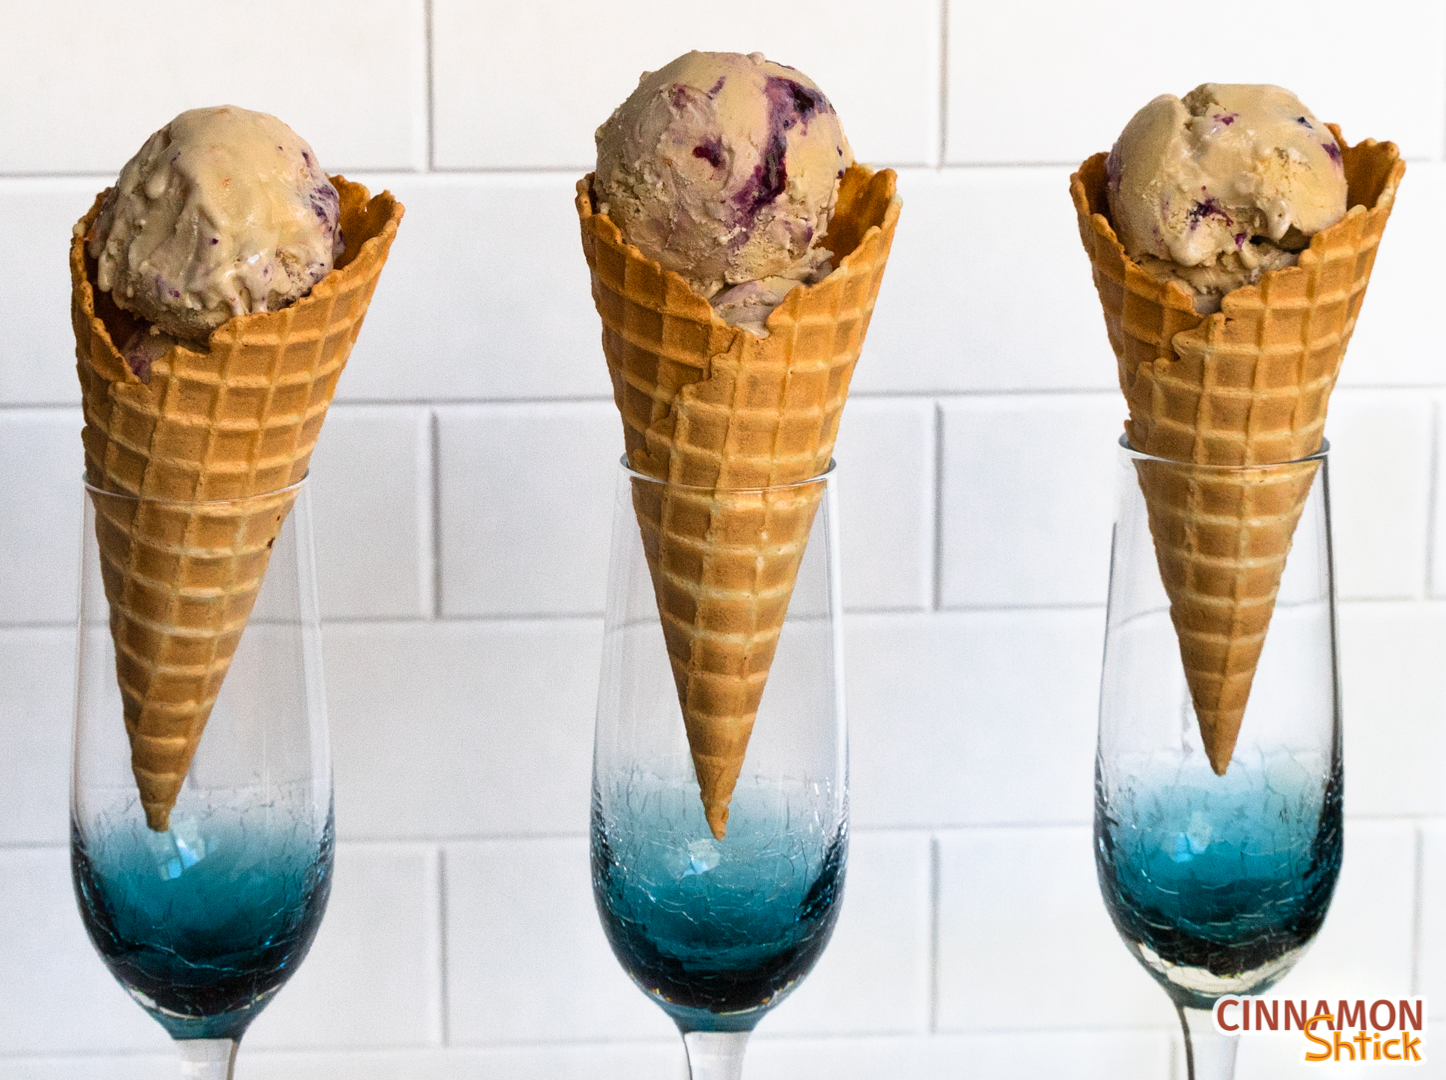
{"x": 1220, "y": 186}
{"x": 222, "y": 212}
{"x": 724, "y": 168}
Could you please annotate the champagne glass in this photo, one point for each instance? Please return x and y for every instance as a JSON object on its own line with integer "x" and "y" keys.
{"x": 1218, "y": 884}
{"x": 719, "y": 931}
{"x": 203, "y": 923}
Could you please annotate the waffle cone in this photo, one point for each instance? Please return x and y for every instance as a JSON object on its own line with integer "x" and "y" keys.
{"x": 233, "y": 421}
{"x": 1246, "y": 386}
{"x": 735, "y": 424}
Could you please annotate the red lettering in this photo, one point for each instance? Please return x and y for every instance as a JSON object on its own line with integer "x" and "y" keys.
{"x": 1220, "y": 1014}
{"x": 1351, "y": 1018}
{"x": 1411, "y": 1020}
{"x": 1300, "y": 1017}
{"x": 1272, "y": 1015}
{"x": 1390, "y": 1023}
{"x": 1323, "y": 1009}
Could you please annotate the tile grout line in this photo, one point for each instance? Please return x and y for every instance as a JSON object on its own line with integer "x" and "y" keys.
{"x": 1433, "y": 503}
{"x": 1417, "y": 896}
{"x": 443, "y": 990}
{"x": 943, "y": 83}
{"x": 435, "y": 431}
{"x": 938, "y": 560}
{"x": 934, "y": 890}
{"x": 429, "y": 49}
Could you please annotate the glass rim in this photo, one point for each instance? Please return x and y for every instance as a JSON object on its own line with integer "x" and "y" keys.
{"x": 93, "y": 491}
{"x": 1139, "y": 455}
{"x": 632, "y": 473}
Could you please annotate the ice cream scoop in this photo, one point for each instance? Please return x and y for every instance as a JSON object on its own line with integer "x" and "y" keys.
{"x": 724, "y": 168}
{"x": 221, "y": 213}
{"x": 1218, "y": 187}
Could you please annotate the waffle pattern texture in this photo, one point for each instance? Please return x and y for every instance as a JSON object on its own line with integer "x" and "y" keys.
{"x": 232, "y": 421}
{"x": 1246, "y": 386}
{"x": 727, "y": 418}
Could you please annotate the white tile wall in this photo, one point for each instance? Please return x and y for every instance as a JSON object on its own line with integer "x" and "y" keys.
{"x": 535, "y": 102}
{"x": 37, "y": 349}
{"x": 348, "y": 75}
{"x": 37, "y": 666}
{"x": 451, "y": 729}
{"x": 372, "y": 476}
{"x": 973, "y": 719}
{"x": 955, "y": 313}
{"x": 486, "y": 299}
{"x": 1028, "y": 500}
{"x": 373, "y": 977}
{"x": 1024, "y": 941}
{"x": 1394, "y": 693}
{"x": 1381, "y": 470}
{"x": 526, "y": 508}
{"x": 44, "y": 500}
{"x": 886, "y": 452}
{"x": 463, "y": 490}
{"x": 517, "y": 911}
{"x": 1042, "y": 81}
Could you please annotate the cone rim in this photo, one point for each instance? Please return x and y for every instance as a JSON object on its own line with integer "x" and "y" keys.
{"x": 583, "y": 203}
{"x": 1321, "y": 454}
{"x": 626, "y": 467}
{"x": 84, "y": 288}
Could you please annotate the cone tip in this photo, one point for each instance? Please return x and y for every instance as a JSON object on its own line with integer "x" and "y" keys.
{"x": 717, "y": 815}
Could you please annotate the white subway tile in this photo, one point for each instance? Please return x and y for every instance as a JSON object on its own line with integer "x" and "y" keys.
{"x": 526, "y": 956}
{"x": 526, "y": 513}
{"x": 597, "y": 1061}
{"x": 1393, "y": 687}
{"x": 41, "y": 504}
{"x": 374, "y": 976}
{"x": 1395, "y": 340}
{"x": 1028, "y": 493}
{"x": 55, "y": 994}
{"x": 1431, "y": 962}
{"x": 987, "y": 288}
{"x": 1014, "y": 69}
{"x": 348, "y": 75}
{"x": 1079, "y": 1055}
{"x": 547, "y": 82}
{"x": 37, "y": 668}
{"x": 114, "y": 1067}
{"x": 1024, "y": 940}
{"x": 885, "y": 455}
{"x": 485, "y": 296}
{"x": 37, "y": 347}
{"x": 1436, "y": 560}
{"x": 874, "y": 976}
{"x": 1364, "y": 949}
{"x": 371, "y": 487}
{"x": 462, "y": 729}
{"x": 984, "y": 718}
{"x": 1380, "y": 491}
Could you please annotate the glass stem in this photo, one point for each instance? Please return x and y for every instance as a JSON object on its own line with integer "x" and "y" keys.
{"x": 1209, "y": 1055}
{"x": 715, "y": 1055}
{"x": 207, "y": 1059}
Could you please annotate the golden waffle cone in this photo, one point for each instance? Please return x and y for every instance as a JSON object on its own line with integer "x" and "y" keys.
{"x": 1246, "y": 386}
{"x": 182, "y": 570}
{"x": 723, "y": 415}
